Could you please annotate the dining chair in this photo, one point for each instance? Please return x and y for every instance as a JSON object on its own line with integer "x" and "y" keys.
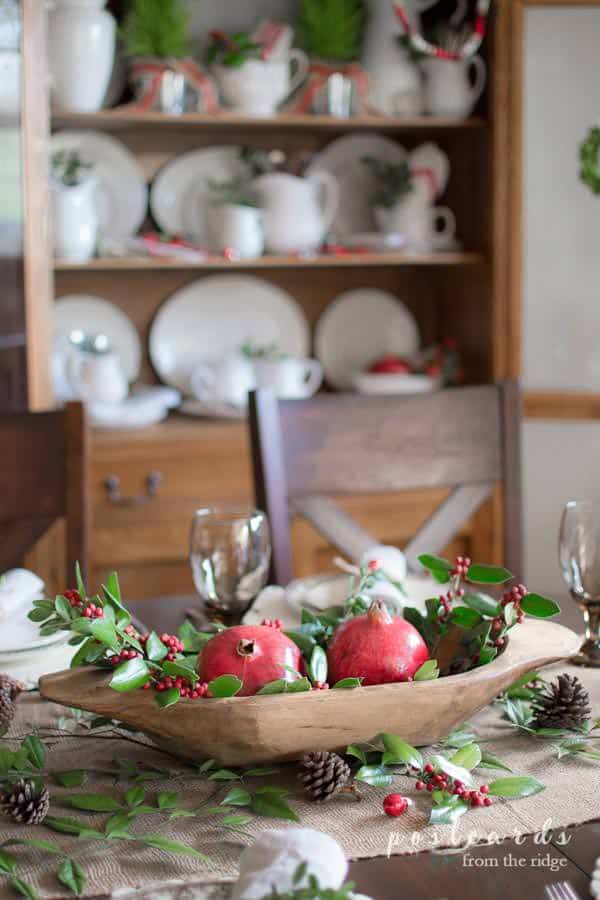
{"x": 43, "y": 478}
{"x": 305, "y": 452}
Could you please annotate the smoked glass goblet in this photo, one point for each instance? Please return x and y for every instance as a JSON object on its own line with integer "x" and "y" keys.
{"x": 230, "y": 555}
{"x": 579, "y": 555}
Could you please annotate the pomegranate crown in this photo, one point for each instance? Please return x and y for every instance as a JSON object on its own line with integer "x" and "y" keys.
{"x": 378, "y": 613}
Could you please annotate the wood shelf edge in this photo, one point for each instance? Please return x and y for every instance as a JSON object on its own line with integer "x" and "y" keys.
{"x": 561, "y": 405}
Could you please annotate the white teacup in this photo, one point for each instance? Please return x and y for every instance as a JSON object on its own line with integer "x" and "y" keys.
{"x": 239, "y": 228}
{"x": 257, "y": 87}
{"x": 290, "y": 377}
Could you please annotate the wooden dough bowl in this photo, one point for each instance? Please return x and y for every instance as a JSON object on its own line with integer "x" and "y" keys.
{"x": 248, "y": 730}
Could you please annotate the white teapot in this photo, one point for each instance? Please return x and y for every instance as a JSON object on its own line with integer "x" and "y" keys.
{"x": 225, "y": 382}
{"x": 297, "y": 212}
{"x": 96, "y": 377}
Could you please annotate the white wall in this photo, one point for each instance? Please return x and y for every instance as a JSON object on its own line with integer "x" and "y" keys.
{"x": 561, "y": 277}
{"x": 236, "y": 15}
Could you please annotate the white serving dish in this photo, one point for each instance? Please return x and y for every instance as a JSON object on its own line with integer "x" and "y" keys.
{"x": 373, "y": 383}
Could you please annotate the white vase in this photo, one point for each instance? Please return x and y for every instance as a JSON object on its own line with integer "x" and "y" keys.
{"x": 237, "y": 228}
{"x": 74, "y": 221}
{"x": 425, "y": 227}
{"x": 81, "y": 47}
{"x": 452, "y": 87}
{"x": 395, "y": 87}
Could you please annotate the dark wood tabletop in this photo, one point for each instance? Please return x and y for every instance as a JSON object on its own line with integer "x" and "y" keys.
{"x": 502, "y": 872}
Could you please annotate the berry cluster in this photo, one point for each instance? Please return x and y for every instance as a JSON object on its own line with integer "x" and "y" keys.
{"x": 88, "y": 609}
{"x": 273, "y": 623}
{"x": 513, "y": 595}
{"x": 461, "y": 567}
{"x": 74, "y": 598}
{"x": 124, "y": 656}
{"x": 446, "y": 603}
{"x": 431, "y": 780}
{"x": 91, "y": 611}
{"x": 171, "y": 642}
{"x": 183, "y": 684}
{"x": 320, "y": 686}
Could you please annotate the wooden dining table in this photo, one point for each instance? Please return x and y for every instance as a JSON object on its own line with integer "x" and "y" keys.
{"x": 511, "y": 870}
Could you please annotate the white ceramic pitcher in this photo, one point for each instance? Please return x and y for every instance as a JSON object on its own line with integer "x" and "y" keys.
{"x": 225, "y": 382}
{"x": 290, "y": 376}
{"x": 453, "y": 87}
{"x": 297, "y": 212}
{"x": 97, "y": 377}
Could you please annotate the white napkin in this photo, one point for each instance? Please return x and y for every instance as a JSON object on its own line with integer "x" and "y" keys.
{"x": 272, "y": 860}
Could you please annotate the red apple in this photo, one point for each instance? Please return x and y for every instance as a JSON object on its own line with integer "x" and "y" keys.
{"x": 390, "y": 365}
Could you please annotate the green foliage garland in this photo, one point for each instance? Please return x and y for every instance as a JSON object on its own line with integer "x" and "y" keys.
{"x": 332, "y": 29}
{"x": 156, "y": 28}
{"x": 589, "y": 159}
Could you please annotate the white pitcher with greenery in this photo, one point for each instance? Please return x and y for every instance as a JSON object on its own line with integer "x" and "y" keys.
{"x": 74, "y": 216}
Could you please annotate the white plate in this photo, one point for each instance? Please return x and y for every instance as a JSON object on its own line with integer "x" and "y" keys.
{"x": 97, "y": 316}
{"x": 379, "y": 383}
{"x": 200, "y": 410}
{"x": 342, "y": 158}
{"x": 430, "y": 156}
{"x": 214, "y": 316}
{"x": 180, "y": 196}
{"x": 147, "y": 405}
{"x": 121, "y": 193}
{"x": 357, "y": 328}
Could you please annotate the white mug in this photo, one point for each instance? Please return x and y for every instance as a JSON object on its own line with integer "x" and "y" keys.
{"x": 239, "y": 228}
{"x": 423, "y": 226}
{"x": 257, "y": 87}
{"x": 449, "y": 90}
{"x": 290, "y": 377}
{"x": 225, "y": 382}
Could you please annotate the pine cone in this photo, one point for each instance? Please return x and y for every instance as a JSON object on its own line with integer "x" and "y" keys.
{"x": 9, "y": 690}
{"x": 25, "y": 802}
{"x": 324, "y": 774}
{"x": 563, "y": 704}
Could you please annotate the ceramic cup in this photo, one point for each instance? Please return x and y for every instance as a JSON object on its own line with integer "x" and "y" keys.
{"x": 290, "y": 377}
{"x": 423, "y": 226}
{"x": 238, "y": 229}
{"x": 452, "y": 87}
{"x": 257, "y": 87}
{"x": 225, "y": 382}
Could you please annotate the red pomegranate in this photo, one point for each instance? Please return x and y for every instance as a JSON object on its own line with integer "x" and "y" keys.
{"x": 377, "y": 647}
{"x": 257, "y": 654}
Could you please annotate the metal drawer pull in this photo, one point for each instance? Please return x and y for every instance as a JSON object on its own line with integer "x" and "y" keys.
{"x": 112, "y": 485}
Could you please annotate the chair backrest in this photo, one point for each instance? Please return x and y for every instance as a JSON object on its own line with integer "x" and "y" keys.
{"x": 43, "y": 477}
{"x": 466, "y": 438}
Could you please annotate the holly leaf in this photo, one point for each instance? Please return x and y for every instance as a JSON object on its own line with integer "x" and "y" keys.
{"x": 7, "y": 861}
{"x": 347, "y": 683}
{"x": 155, "y": 649}
{"x": 80, "y": 582}
{"x": 398, "y": 752}
{"x": 270, "y": 802}
{"x": 297, "y": 686}
{"x": 488, "y": 761}
{"x": 447, "y": 812}
{"x": 63, "y": 608}
{"x": 357, "y": 753}
{"x": 35, "y": 750}
{"x": 130, "y": 675}
{"x": 469, "y": 756}
{"x": 317, "y": 667}
{"x": 178, "y": 668}
{"x": 378, "y": 776}
{"x": 66, "y": 825}
{"x": 22, "y": 887}
{"x": 305, "y": 642}
{"x": 72, "y": 876}
{"x": 225, "y": 686}
{"x": 167, "y": 698}
{"x": 274, "y": 687}
{"x": 428, "y": 671}
{"x": 93, "y": 802}
{"x": 237, "y": 796}
{"x": 483, "y": 604}
{"x": 483, "y": 574}
{"x": 538, "y": 606}
{"x": 73, "y": 778}
{"x": 459, "y": 738}
{"x": 451, "y": 769}
{"x": 440, "y": 568}
{"x": 516, "y": 786}
{"x": 223, "y": 775}
{"x": 135, "y": 796}
{"x": 465, "y": 617}
{"x": 161, "y": 843}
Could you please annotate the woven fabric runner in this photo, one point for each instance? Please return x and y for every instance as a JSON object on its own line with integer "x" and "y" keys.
{"x": 571, "y": 797}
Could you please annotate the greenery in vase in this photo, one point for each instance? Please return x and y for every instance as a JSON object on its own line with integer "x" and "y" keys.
{"x": 332, "y": 29}
{"x": 232, "y": 50}
{"x": 262, "y": 351}
{"x": 156, "y": 28}
{"x": 394, "y": 181}
{"x": 234, "y": 190}
{"x": 67, "y": 168}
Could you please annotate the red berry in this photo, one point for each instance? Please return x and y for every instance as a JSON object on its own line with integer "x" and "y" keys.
{"x": 428, "y": 768}
{"x": 484, "y": 789}
{"x": 373, "y": 566}
{"x": 430, "y": 786}
{"x": 458, "y": 783}
{"x": 420, "y": 785}
{"x": 487, "y": 801}
{"x": 438, "y": 779}
{"x": 395, "y": 805}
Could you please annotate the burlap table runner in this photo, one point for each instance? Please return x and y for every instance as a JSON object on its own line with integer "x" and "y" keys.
{"x": 572, "y": 796}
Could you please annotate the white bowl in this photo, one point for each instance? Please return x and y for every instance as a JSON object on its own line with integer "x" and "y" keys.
{"x": 375, "y": 383}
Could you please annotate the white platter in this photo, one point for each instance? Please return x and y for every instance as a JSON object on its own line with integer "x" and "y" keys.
{"x": 381, "y": 384}
{"x": 121, "y": 193}
{"x": 180, "y": 195}
{"x": 342, "y": 158}
{"x": 95, "y": 315}
{"x": 358, "y": 327}
{"x": 214, "y": 316}
{"x": 147, "y": 405}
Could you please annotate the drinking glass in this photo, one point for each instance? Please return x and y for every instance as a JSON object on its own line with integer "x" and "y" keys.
{"x": 579, "y": 555}
{"x": 230, "y": 554}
